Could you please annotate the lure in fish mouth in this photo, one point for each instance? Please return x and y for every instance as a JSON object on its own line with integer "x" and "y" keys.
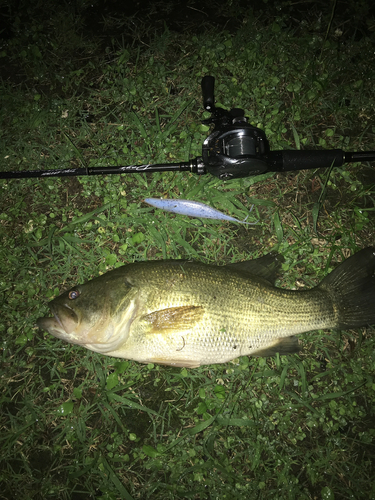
{"x": 184, "y": 313}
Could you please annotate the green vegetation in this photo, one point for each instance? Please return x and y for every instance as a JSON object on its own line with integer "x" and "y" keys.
{"x": 90, "y": 87}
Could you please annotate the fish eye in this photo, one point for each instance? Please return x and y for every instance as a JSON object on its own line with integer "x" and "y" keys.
{"x": 74, "y": 294}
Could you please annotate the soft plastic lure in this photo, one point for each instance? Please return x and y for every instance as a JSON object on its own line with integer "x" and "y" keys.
{"x": 192, "y": 209}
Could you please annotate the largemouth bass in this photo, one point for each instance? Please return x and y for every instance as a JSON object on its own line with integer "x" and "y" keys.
{"x": 184, "y": 313}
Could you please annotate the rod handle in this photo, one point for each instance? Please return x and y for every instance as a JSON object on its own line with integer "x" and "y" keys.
{"x": 289, "y": 160}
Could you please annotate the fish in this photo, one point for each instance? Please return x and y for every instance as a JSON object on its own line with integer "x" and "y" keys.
{"x": 193, "y": 209}
{"x": 188, "y": 314}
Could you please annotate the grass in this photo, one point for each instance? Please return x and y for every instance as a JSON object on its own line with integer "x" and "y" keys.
{"x": 77, "y": 425}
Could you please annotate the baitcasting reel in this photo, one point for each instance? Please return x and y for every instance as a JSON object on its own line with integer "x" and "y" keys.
{"x": 235, "y": 148}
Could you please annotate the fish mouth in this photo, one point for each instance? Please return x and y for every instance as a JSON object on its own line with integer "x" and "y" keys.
{"x": 62, "y": 324}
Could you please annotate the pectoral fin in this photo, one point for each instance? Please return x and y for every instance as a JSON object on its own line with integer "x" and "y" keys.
{"x": 173, "y": 319}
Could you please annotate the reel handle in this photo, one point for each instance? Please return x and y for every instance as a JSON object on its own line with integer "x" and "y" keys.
{"x": 208, "y": 85}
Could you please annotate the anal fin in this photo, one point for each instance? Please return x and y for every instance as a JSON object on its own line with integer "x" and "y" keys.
{"x": 283, "y": 345}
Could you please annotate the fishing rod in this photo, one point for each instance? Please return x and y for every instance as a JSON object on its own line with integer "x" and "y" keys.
{"x": 234, "y": 149}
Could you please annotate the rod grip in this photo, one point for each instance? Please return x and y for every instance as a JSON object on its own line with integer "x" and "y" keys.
{"x": 282, "y": 161}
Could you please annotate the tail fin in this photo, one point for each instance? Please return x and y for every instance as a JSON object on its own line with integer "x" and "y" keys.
{"x": 352, "y": 288}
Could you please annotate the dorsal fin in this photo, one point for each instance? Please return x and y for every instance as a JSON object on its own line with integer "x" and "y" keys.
{"x": 265, "y": 267}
